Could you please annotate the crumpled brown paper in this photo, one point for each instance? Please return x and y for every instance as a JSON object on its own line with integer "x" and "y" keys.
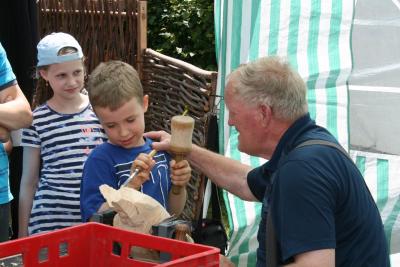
{"x": 135, "y": 211}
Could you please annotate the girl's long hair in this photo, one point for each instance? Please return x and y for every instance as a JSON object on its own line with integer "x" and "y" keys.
{"x": 43, "y": 91}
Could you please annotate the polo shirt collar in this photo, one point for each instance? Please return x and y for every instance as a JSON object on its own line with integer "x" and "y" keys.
{"x": 289, "y": 140}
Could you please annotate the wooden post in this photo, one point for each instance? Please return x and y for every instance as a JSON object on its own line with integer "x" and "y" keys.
{"x": 141, "y": 42}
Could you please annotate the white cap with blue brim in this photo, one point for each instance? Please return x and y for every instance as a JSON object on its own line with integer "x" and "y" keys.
{"x": 48, "y": 49}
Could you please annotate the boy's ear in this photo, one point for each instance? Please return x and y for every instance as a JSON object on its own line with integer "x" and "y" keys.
{"x": 145, "y": 102}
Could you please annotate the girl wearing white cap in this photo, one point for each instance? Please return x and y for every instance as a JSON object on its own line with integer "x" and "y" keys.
{"x": 64, "y": 131}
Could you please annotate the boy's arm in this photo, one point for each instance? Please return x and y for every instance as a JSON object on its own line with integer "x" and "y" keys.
{"x": 29, "y": 182}
{"x": 96, "y": 172}
{"x": 180, "y": 175}
{"x": 176, "y": 202}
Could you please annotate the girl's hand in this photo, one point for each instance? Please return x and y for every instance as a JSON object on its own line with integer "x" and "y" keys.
{"x": 145, "y": 163}
{"x": 180, "y": 172}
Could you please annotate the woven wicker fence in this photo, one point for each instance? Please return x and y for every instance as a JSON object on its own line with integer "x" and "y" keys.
{"x": 172, "y": 85}
{"x": 105, "y": 29}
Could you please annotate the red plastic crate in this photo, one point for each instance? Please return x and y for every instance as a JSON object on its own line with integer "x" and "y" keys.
{"x": 91, "y": 244}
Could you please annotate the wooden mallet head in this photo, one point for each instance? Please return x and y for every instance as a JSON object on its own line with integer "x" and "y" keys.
{"x": 181, "y": 139}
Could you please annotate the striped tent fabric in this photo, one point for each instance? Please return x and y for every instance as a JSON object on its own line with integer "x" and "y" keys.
{"x": 382, "y": 173}
{"x": 374, "y": 93}
{"x": 315, "y": 36}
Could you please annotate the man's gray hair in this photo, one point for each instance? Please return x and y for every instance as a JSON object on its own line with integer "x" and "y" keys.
{"x": 271, "y": 81}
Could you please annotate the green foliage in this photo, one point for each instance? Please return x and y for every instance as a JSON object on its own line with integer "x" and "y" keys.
{"x": 183, "y": 29}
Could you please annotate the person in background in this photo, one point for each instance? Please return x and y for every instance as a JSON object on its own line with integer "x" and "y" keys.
{"x": 116, "y": 94}
{"x": 15, "y": 113}
{"x": 64, "y": 131}
{"x": 321, "y": 210}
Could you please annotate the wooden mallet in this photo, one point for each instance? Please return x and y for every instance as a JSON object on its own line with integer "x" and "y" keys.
{"x": 181, "y": 140}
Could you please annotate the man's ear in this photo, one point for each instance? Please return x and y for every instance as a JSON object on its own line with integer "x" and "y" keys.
{"x": 265, "y": 112}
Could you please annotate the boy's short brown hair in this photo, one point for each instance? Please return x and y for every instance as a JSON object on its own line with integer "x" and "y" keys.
{"x": 113, "y": 83}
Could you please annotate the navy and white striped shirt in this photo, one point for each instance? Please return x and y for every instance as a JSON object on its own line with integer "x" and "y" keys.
{"x": 65, "y": 141}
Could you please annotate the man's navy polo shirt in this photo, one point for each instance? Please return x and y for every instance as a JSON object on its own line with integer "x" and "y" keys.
{"x": 319, "y": 201}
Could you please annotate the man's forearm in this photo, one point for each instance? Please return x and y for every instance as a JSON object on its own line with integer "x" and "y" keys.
{"x": 224, "y": 172}
{"x": 15, "y": 111}
{"x": 14, "y": 117}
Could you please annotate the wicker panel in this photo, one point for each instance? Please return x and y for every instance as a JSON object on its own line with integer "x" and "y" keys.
{"x": 105, "y": 29}
{"x": 171, "y": 85}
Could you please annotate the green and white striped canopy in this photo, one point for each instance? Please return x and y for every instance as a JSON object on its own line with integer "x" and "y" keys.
{"x": 316, "y": 36}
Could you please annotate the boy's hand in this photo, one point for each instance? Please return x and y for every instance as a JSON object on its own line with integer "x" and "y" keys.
{"x": 180, "y": 172}
{"x": 145, "y": 163}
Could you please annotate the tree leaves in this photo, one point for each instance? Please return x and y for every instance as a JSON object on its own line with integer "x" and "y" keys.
{"x": 183, "y": 29}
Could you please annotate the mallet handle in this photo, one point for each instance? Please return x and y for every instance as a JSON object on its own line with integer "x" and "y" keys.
{"x": 176, "y": 189}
